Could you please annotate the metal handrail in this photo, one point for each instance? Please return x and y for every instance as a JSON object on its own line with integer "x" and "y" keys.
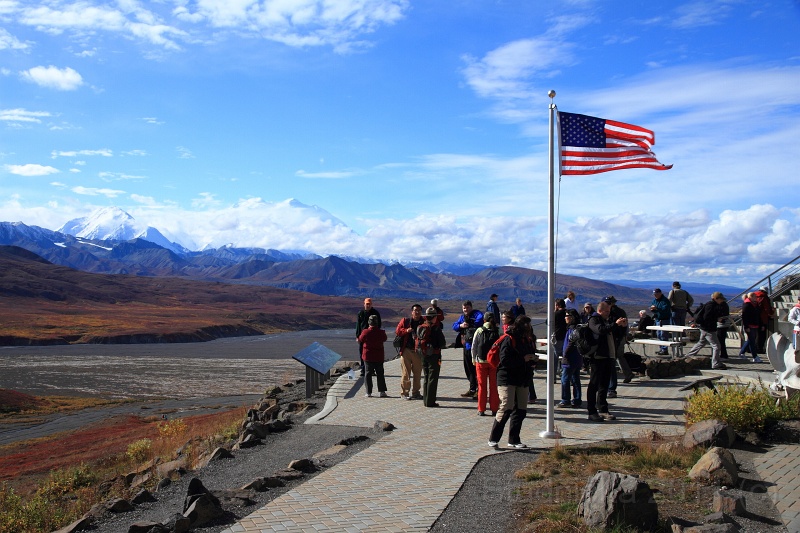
{"x": 771, "y": 280}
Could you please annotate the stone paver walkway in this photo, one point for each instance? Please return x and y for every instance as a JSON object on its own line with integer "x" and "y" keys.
{"x": 406, "y": 479}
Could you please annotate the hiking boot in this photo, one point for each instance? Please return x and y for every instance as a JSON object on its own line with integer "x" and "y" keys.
{"x": 596, "y": 418}
{"x": 608, "y": 416}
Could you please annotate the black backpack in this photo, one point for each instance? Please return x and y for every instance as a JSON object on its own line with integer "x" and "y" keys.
{"x": 705, "y": 317}
{"x": 582, "y": 338}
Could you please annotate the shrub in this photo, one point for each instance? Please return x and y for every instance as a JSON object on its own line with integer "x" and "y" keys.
{"x": 140, "y": 451}
{"x": 172, "y": 428}
{"x": 744, "y": 407}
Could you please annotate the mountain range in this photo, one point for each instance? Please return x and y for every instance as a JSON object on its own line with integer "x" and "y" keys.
{"x": 110, "y": 241}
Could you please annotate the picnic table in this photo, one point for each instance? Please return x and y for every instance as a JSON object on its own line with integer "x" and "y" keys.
{"x": 675, "y": 346}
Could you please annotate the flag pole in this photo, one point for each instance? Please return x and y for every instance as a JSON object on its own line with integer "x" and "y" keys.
{"x": 550, "y": 432}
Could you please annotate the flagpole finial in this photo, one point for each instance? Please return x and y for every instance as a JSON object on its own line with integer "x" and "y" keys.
{"x": 551, "y": 93}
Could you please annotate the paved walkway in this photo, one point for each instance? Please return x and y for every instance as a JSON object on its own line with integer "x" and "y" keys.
{"x": 406, "y": 479}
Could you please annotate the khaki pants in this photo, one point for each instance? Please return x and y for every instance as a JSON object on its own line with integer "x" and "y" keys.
{"x": 411, "y": 368}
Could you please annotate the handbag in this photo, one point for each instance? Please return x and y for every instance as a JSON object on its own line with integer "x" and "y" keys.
{"x": 399, "y": 341}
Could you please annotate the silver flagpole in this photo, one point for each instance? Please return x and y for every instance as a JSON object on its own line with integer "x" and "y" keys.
{"x": 550, "y": 432}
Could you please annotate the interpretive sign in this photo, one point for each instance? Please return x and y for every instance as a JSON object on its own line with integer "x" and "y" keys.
{"x": 318, "y": 361}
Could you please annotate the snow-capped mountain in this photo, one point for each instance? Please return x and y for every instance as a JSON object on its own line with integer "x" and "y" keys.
{"x": 114, "y": 224}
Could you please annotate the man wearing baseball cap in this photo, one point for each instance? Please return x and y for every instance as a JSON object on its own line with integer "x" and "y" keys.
{"x": 362, "y": 323}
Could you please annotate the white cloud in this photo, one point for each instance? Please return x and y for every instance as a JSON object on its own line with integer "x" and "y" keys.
{"x": 301, "y": 23}
{"x": 31, "y": 170}
{"x": 105, "y": 152}
{"x": 51, "y": 77}
{"x": 93, "y": 191}
{"x": 9, "y": 42}
{"x": 184, "y": 153}
{"x": 325, "y": 175}
{"x": 118, "y": 176}
{"x": 22, "y": 115}
{"x": 144, "y": 200}
{"x": 733, "y": 246}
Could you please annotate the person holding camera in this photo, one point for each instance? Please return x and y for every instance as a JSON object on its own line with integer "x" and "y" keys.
{"x": 466, "y": 325}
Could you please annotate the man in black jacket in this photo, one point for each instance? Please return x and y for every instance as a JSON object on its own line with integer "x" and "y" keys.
{"x": 706, "y": 318}
{"x": 601, "y": 363}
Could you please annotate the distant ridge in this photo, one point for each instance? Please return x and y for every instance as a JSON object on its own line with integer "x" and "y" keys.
{"x": 110, "y": 241}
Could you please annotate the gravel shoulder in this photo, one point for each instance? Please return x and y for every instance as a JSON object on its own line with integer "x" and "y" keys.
{"x": 302, "y": 441}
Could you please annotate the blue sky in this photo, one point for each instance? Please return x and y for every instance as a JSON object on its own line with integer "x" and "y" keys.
{"x": 410, "y": 130}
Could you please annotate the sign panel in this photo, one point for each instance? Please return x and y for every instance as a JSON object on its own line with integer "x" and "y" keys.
{"x": 317, "y": 357}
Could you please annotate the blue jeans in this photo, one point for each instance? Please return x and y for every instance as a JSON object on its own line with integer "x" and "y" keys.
{"x": 679, "y": 317}
{"x": 571, "y": 383}
{"x": 750, "y": 343}
{"x": 663, "y": 335}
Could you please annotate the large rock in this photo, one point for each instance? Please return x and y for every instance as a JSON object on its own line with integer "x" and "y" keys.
{"x": 725, "y": 502}
{"x": 610, "y": 498}
{"x": 716, "y": 467}
{"x": 203, "y": 509}
{"x": 82, "y": 524}
{"x": 263, "y": 483}
{"x": 709, "y": 433}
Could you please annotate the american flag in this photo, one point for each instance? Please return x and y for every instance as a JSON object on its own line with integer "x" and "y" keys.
{"x": 590, "y": 145}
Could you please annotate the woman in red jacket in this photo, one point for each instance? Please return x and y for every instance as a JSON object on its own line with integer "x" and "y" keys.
{"x": 373, "y": 338}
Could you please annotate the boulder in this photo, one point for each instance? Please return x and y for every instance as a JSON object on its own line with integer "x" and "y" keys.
{"x": 725, "y": 502}
{"x": 171, "y": 468}
{"x": 248, "y": 440}
{"x": 380, "y": 425}
{"x": 264, "y": 483}
{"x": 716, "y": 467}
{"x": 118, "y": 505}
{"x": 288, "y": 475}
{"x": 195, "y": 489}
{"x": 709, "y": 433}
{"x": 143, "y": 496}
{"x": 611, "y": 499}
{"x": 303, "y": 465}
{"x": 147, "y": 527}
{"x": 178, "y": 523}
{"x": 278, "y": 425}
{"x": 81, "y": 524}
{"x": 203, "y": 509}
{"x": 272, "y": 392}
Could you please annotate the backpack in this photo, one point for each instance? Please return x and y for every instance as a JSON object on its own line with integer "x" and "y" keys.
{"x": 582, "y": 338}
{"x": 704, "y": 318}
{"x": 428, "y": 340}
{"x": 493, "y": 356}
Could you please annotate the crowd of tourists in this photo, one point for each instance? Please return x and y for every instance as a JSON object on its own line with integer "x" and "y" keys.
{"x": 499, "y": 350}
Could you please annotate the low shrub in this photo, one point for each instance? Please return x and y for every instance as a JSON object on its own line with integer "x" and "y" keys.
{"x": 744, "y": 407}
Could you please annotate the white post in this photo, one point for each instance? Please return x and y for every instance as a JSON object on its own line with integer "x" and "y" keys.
{"x": 550, "y": 432}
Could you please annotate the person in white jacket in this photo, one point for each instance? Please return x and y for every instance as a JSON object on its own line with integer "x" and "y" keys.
{"x": 794, "y": 318}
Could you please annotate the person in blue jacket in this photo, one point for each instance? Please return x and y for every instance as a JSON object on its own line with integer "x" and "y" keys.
{"x": 466, "y": 325}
